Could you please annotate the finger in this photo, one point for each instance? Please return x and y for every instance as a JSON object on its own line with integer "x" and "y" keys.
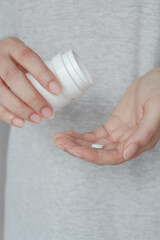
{"x": 10, "y": 118}
{"x": 59, "y": 134}
{"x": 99, "y": 157}
{"x": 81, "y": 141}
{"x": 23, "y": 89}
{"x": 67, "y": 142}
{"x": 100, "y": 132}
{"x": 15, "y": 105}
{"x": 18, "y": 65}
{"x": 96, "y": 134}
{"x": 147, "y": 133}
{"x": 82, "y": 149}
{"x": 32, "y": 62}
{"x": 89, "y": 136}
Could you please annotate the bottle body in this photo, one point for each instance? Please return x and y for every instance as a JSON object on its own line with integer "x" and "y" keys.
{"x": 72, "y": 75}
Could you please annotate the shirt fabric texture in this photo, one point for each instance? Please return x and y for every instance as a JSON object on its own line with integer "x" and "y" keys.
{"x": 51, "y": 195}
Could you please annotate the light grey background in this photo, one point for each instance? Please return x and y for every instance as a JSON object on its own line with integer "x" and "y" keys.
{"x": 4, "y": 131}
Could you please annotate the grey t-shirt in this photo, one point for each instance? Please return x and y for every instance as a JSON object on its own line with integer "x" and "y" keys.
{"x": 51, "y": 195}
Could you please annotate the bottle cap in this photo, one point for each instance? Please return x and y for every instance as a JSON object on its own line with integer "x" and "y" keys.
{"x": 72, "y": 73}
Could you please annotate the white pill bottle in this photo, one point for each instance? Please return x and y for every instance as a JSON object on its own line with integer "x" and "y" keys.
{"x": 72, "y": 75}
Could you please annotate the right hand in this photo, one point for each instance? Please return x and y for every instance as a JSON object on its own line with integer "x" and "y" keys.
{"x": 26, "y": 104}
{"x": 132, "y": 128}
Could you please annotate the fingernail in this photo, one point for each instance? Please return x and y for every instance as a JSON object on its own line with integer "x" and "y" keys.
{"x": 75, "y": 154}
{"x": 130, "y": 151}
{"x": 52, "y": 116}
{"x": 47, "y": 112}
{"x": 54, "y": 138}
{"x": 18, "y": 122}
{"x": 59, "y": 146}
{"x": 35, "y": 118}
{"x": 55, "y": 88}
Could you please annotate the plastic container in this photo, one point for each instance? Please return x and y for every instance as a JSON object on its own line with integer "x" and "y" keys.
{"x": 71, "y": 73}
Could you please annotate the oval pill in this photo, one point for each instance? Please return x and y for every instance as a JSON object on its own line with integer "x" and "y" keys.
{"x": 98, "y": 146}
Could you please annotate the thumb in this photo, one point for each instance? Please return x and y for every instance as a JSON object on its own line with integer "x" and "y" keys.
{"x": 147, "y": 130}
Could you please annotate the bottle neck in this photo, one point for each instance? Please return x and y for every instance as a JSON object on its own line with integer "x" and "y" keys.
{"x": 72, "y": 74}
{"x": 77, "y": 70}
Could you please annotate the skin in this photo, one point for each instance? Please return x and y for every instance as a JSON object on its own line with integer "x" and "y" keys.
{"x": 25, "y": 103}
{"x": 135, "y": 120}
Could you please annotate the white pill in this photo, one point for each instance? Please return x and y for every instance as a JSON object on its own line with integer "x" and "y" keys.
{"x": 97, "y": 146}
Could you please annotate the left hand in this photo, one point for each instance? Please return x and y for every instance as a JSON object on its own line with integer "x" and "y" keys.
{"x": 132, "y": 128}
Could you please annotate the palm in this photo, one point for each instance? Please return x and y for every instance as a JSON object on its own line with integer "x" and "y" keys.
{"x": 112, "y": 135}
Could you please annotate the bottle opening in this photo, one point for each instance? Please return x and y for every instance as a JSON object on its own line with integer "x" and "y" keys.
{"x": 81, "y": 68}
{"x": 75, "y": 77}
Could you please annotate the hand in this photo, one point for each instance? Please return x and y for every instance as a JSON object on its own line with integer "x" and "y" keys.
{"x": 132, "y": 128}
{"x": 25, "y": 102}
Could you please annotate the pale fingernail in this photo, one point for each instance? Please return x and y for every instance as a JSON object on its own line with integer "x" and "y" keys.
{"x": 18, "y": 122}
{"x": 35, "y": 118}
{"x": 59, "y": 146}
{"x": 52, "y": 116}
{"x": 55, "y": 88}
{"x": 130, "y": 151}
{"x": 75, "y": 154}
{"x": 47, "y": 112}
{"x": 55, "y": 137}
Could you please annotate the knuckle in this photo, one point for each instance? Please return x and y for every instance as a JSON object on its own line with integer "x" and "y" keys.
{"x": 148, "y": 135}
{"x": 26, "y": 113}
{"x": 35, "y": 101}
{"x": 33, "y": 98}
{"x": 46, "y": 76}
{"x": 25, "y": 52}
{"x": 7, "y": 41}
{"x": 10, "y": 74}
{"x": 22, "y": 109}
